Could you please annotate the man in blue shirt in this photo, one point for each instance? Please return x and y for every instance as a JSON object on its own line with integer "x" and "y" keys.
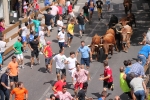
{"x": 144, "y": 54}
{"x": 85, "y": 58}
{"x": 46, "y": 2}
{"x": 103, "y": 95}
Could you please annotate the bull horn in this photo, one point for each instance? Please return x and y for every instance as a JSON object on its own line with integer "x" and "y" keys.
{"x": 88, "y": 45}
{"x": 96, "y": 45}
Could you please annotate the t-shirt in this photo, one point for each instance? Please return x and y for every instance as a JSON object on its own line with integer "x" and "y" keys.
{"x": 41, "y": 35}
{"x": 24, "y": 31}
{"x": 36, "y": 25}
{"x": 64, "y": 96}
{"x": 54, "y": 10}
{"x": 19, "y": 93}
{"x": 108, "y": 71}
{"x": 84, "y": 51}
{"x": 70, "y": 29}
{"x": 59, "y": 84}
{"x": 136, "y": 84}
{"x": 60, "y": 10}
{"x": 2, "y": 46}
{"x": 60, "y": 23}
{"x": 127, "y": 69}
{"x": 123, "y": 84}
{"x": 71, "y": 62}
{"x": 86, "y": 9}
{"x": 48, "y": 17}
{"x": 70, "y": 9}
{"x": 60, "y": 61}
{"x": 99, "y": 3}
{"x": 48, "y": 51}
{"x": 13, "y": 67}
{"x": 4, "y": 79}
{"x": 31, "y": 37}
{"x": 80, "y": 20}
{"x": 61, "y": 36}
{"x": 18, "y": 46}
{"x": 145, "y": 50}
{"x": 34, "y": 44}
{"x": 81, "y": 95}
{"x": 100, "y": 99}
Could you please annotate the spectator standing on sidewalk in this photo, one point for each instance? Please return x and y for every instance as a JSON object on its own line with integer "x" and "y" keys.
{"x": 61, "y": 38}
{"x": 20, "y": 92}
{"x": 60, "y": 60}
{"x": 108, "y": 78}
{"x": 85, "y": 52}
{"x": 2, "y": 24}
{"x": 2, "y": 47}
{"x": 80, "y": 21}
{"x": 48, "y": 56}
{"x": 24, "y": 36}
{"x": 70, "y": 33}
{"x": 18, "y": 52}
{"x": 60, "y": 24}
{"x": 34, "y": 45}
{"x": 4, "y": 88}
{"x": 14, "y": 71}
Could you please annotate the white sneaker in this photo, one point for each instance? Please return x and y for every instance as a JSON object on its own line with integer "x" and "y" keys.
{"x": 41, "y": 53}
{"x": 38, "y": 62}
{"x": 31, "y": 66}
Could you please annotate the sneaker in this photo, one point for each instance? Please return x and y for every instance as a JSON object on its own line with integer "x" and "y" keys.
{"x": 41, "y": 53}
{"x": 112, "y": 87}
{"x": 31, "y": 66}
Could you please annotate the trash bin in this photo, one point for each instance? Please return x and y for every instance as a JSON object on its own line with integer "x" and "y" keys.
{"x": 13, "y": 17}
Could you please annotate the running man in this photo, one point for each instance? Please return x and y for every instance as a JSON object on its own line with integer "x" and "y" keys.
{"x": 91, "y": 8}
{"x": 81, "y": 76}
{"x": 86, "y": 10}
{"x": 34, "y": 45}
{"x": 99, "y": 5}
{"x": 70, "y": 12}
{"x": 18, "y": 52}
{"x": 61, "y": 38}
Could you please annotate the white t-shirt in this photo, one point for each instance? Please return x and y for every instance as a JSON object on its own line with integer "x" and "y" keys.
{"x": 60, "y": 61}
{"x": 2, "y": 46}
{"x": 60, "y": 23}
{"x": 71, "y": 62}
{"x": 41, "y": 35}
{"x": 24, "y": 5}
{"x": 61, "y": 36}
{"x": 54, "y": 10}
{"x": 24, "y": 31}
{"x": 67, "y": 3}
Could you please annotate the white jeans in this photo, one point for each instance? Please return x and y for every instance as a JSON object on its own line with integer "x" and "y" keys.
{"x": 19, "y": 56}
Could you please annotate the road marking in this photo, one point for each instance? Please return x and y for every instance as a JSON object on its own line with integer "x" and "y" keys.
{"x": 121, "y": 7}
{"x": 76, "y": 8}
{"x": 145, "y": 6}
{"x": 134, "y": 7}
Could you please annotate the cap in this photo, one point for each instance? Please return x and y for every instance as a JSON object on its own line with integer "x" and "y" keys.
{"x": 48, "y": 42}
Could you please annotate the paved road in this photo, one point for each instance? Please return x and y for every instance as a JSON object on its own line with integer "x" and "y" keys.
{"x": 39, "y": 83}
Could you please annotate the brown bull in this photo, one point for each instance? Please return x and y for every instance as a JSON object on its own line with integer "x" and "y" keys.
{"x": 95, "y": 45}
{"x": 108, "y": 42}
{"x": 127, "y": 6}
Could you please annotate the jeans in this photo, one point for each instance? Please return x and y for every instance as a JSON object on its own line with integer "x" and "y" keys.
{"x": 140, "y": 95}
{"x": 4, "y": 94}
{"x": 143, "y": 59}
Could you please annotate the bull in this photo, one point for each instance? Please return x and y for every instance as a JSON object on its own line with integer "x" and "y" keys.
{"x": 127, "y": 6}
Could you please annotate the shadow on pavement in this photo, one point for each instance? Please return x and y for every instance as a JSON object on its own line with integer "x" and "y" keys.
{"x": 124, "y": 97}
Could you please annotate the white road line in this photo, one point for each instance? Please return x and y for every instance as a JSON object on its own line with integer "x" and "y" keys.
{"x": 76, "y": 8}
{"x": 145, "y": 6}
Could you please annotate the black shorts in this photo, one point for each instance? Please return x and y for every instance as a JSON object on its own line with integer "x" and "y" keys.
{"x": 13, "y": 78}
{"x": 129, "y": 94}
{"x": 35, "y": 53}
{"x": 47, "y": 60}
{"x": 107, "y": 84}
{"x": 63, "y": 71}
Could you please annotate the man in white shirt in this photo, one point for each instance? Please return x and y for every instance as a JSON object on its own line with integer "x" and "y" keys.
{"x": 42, "y": 39}
{"x": 24, "y": 36}
{"x": 60, "y": 60}
{"x": 60, "y": 24}
{"x": 71, "y": 62}
{"x": 61, "y": 38}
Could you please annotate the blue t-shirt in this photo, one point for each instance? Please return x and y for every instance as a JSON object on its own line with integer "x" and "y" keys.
{"x": 100, "y": 99}
{"x": 145, "y": 50}
{"x": 84, "y": 51}
{"x": 36, "y": 25}
{"x": 46, "y": 2}
{"x": 127, "y": 69}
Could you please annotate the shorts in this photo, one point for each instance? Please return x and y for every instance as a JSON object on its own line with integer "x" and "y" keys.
{"x": 13, "y": 78}
{"x": 24, "y": 39}
{"x": 78, "y": 85}
{"x": 35, "y": 53}
{"x": 71, "y": 72}
{"x": 43, "y": 42}
{"x": 92, "y": 9}
{"x": 81, "y": 27}
{"x": 129, "y": 94}
{"x": 61, "y": 44}
{"x": 49, "y": 27}
{"x": 63, "y": 71}
{"x": 47, "y": 60}
{"x": 25, "y": 10}
{"x": 107, "y": 84}
{"x": 85, "y": 61}
{"x": 71, "y": 15}
{"x": 19, "y": 56}
{"x": 99, "y": 10}
{"x": 86, "y": 14}
{"x": 108, "y": 2}
{"x": 70, "y": 36}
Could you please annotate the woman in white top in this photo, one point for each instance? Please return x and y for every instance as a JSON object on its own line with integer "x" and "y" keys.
{"x": 61, "y": 38}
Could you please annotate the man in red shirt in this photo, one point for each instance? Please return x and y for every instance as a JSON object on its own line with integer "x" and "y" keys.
{"x": 58, "y": 86}
{"x": 48, "y": 56}
{"x": 108, "y": 79}
{"x": 70, "y": 12}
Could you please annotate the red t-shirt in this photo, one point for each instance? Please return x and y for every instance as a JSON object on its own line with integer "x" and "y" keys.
{"x": 60, "y": 10}
{"x": 59, "y": 84}
{"x": 108, "y": 71}
{"x": 48, "y": 51}
{"x": 69, "y": 8}
{"x": 37, "y": 7}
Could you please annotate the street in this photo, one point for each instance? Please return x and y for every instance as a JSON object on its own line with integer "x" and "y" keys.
{"x": 39, "y": 83}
